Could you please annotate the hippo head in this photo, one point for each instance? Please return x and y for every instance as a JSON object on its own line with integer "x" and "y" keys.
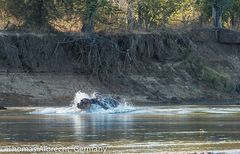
{"x": 84, "y": 104}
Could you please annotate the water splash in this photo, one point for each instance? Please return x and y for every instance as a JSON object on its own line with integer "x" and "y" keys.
{"x": 56, "y": 111}
{"x": 79, "y": 96}
{"x": 72, "y": 109}
{"x": 127, "y": 108}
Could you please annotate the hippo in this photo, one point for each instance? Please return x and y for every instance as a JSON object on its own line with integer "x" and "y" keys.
{"x": 2, "y": 104}
{"x": 2, "y": 108}
{"x": 100, "y": 101}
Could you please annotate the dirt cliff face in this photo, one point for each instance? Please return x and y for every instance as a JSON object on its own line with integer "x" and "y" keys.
{"x": 159, "y": 67}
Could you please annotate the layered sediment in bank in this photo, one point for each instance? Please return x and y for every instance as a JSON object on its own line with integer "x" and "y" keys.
{"x": 163, "y": 67}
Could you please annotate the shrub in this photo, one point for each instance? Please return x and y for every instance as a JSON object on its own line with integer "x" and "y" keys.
{"x": 215, "y": 79}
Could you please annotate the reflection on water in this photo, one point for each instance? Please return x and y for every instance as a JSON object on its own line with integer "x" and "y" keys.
{"x": 141, "y": 130}
{"x": 100, "y": 127}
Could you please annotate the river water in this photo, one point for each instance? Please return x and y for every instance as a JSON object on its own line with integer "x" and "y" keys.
{"x": 128, "y": 129}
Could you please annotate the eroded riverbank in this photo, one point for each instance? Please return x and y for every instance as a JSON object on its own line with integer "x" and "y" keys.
{"x": 160, "y": 68}
{"x": 58, "y": 89}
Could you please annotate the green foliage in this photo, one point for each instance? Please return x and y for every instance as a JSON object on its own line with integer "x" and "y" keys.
{"x": 35, "y": 14}
{"x": 103, "y": 10}
{"x": 204, "y": 7}
{"x": 113, "y": 14}
{"x": 226, "y": 7}
{"x": 215, "y": 79}
{"x": 218, "y": 3}
{"x": 235, "y": 7}
{"x": 157, "y": 12}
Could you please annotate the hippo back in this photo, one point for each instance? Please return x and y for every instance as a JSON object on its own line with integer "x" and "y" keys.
{"x": 109, "y": 102}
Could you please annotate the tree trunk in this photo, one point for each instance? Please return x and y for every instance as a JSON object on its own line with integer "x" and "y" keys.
{"x": 131, "y": 15}
{"x": 140, "y": 16}
{"x": 40, "y": 12}
{"x": 37, "y": 19}
{"x": 88, "y": 20}
{"x": 201, "y": 20}
{"x": 217, "y": 16}
{"x": 233, "y": 21}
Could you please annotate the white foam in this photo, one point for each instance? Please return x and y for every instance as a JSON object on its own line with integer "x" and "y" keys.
{"x": 72, "y": 109}
{"x": 59, "y": 110}
{"x": 186, "y": 110}
{"x": 126, "y": 108}
{"x": 78, "y": 97}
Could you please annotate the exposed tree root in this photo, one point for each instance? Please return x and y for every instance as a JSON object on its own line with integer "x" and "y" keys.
{"x": 100, "y": 55}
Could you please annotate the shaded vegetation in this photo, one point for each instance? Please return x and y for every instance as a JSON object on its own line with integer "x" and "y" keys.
{"x": 215, "y": 79}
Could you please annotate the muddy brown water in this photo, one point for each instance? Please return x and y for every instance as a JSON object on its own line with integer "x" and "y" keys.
{"x": 141, "y": 129}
